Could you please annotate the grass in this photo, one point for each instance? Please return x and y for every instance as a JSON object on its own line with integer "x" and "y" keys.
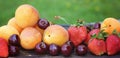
{"x": 71, "y": 10}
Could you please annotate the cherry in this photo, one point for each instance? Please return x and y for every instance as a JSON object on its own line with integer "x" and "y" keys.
{"x": 13, "y": 50}
{"x": 81, "y": 50}
{"x": 41, "y": 48}
{"x": 14, "y": 40}
{"x": 43, "y": 23}
{"x": 54, "y": 49}
{"x": 66, "y": 50}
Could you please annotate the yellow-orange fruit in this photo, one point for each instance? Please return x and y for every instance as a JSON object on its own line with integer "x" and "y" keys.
{"x": 12, "y": 22}
{"x": 30, "y": 37}
{"x": 40, "y": 30}
{"x": 26, "y": 16}
{"x": 6, "y": 31}
{"x": 55, "y": 34}
{"x": 110, "y": 24}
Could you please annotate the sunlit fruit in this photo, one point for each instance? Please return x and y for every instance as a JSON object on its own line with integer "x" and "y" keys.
{"x": 71, "y": 44}
{"x": 39, "y": 29}
{"x": 6, "y": 31}
{"x": 97, "y": 25}
{"x": 110, "y": 24}
{"x": 12, "y": 22}
{"x": 41, "y": 48}
{"x": 43, "y": 23}
{"x": 26, "y": 16}
{"x": 55, "y": 34}
{"x": 14, "y": 40}
{"x": 30, "y": 37}
{"x": 13, "y": 50}
{"x": 66, "y": 50}
{"x": 54, "y": 50}
{"x": 81, "y": 50}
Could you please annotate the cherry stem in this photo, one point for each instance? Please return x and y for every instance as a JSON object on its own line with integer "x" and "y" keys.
{"x": 63, "y": 19}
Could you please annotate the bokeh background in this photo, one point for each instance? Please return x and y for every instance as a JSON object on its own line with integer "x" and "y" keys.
{"x": 71, "y": 10}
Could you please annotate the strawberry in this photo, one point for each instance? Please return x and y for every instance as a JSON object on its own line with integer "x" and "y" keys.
{"x": 77, "y": 34}
{"x": 92, "y": 32}
{"x": 3, "y": 48}
{"x": 97, "y": 46}
{"x": 112, "y": 44}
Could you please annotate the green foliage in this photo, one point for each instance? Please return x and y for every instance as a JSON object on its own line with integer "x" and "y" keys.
{"x": 72, "y": 10}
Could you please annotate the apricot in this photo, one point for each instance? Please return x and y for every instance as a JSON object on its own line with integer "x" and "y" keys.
{"x": 29, "y": 38}
{"x": 55, "y": 34}
{"x": 6, "y": 31}
{"x": 12, "y": 22}
{"x": 110, "y": 24}
{"x": 26, "y": 16}
{"x": 40, "y": 30}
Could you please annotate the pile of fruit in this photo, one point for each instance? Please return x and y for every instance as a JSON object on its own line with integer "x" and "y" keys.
{"x": 27, "y": 30}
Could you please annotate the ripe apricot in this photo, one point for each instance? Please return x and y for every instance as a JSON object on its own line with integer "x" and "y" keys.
{"x": 6, "y": 31}
{"x": 55, "y": 34}
{"x": 110, "y": 24}
{"x": 26, "y": 16}
{"x": 30, "y": 37}
{"x": 39, "y": 29}
{"x": 12, "y": 22}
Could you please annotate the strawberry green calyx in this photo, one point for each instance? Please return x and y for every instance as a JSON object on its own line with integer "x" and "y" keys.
{"x": 80, "y": 22}
{"x": 116, "y": 33}
{"x": 101, "y": 35}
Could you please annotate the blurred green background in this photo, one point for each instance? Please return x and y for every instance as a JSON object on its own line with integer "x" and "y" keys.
{"x": 71, "y": 10}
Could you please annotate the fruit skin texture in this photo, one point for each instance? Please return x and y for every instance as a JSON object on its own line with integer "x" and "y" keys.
{"x": 81, "y": 50}
{"x": 54, "y": 49}
{"x": 13, "y": 50}
{"x": 6, "y": 31}
{"x": 26, "y": 16}
{"x": 66, "y": 50}
{"x": 3, "y": 48}
{"x": 41, "y": 48}
{"x": 92, "y": 32}
{"x": 12, "y": 22}
{"x": 29, "y": 38}
{"x": 14, "y": 40}
{"x": 43, "y": 23}
{"x": 77, "y": 34}
{"x": 55, "y": 34}
{"x": 112, "y": 44}
{"x": 39, "y": 29}
{"x": 97, "y": 46}
{"x": 110, "y": 24}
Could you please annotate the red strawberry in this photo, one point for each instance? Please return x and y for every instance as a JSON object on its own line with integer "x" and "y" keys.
{"x": 112, "y": 44}
{"x": 3, "y": 48}
{"x": 92, "y": 32}
{"x": 119, "y": 44}
{"x": 97, "y": 46}
{"x": 77, "y": 34}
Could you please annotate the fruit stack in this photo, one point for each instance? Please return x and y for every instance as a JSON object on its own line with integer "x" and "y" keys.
{"x": 27, "y": 30}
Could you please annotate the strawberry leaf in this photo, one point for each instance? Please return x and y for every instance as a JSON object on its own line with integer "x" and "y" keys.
{"x": 116, "y": 33}
{"x": 94, "y": 36}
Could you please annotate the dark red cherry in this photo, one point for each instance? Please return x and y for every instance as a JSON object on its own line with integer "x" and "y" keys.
{"x": 54, "y": 50}
{"x": 41, "y": 48}
{"x": 14, "y": 40}
{"x": 66, "y": 50}
{"x": 13, "y": 50}
{"x": 43, "y": 23}
{"x": 81, "y": 50}
{"x": 97, "y": 25}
